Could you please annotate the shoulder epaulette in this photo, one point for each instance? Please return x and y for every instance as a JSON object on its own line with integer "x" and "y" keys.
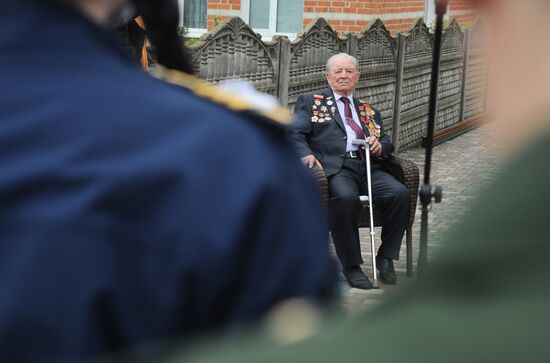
{"x": 219, "y": 96}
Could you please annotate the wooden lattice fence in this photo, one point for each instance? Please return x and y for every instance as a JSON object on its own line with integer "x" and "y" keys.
{"x": 395, "y": 70}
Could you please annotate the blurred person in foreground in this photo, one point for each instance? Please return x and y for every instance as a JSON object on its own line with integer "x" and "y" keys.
{"x": 133, "y": 210}
{"x": 487, "y": 298}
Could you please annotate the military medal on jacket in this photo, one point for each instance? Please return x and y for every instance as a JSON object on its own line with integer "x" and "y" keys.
{"x": 320, "y": 109}
{"x": 366, "y": 114}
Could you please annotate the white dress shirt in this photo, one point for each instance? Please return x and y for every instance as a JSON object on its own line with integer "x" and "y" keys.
{"x": 349, "y": 131}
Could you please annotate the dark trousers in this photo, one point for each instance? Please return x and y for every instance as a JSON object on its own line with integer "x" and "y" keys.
{"x": 393, "y": 197}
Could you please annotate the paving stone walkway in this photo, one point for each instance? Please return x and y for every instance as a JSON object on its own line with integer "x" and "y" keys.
{"x": 462, "y": 166}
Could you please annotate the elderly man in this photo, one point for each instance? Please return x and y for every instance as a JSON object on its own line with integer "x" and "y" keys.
{"x": 325, "y": 125}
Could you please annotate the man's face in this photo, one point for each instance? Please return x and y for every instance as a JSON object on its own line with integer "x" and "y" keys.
{"x": 343, "y": 76}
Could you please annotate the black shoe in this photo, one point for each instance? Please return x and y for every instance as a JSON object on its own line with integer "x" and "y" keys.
{"x": 356, "y": 278}
{"x": 386, "y": 271}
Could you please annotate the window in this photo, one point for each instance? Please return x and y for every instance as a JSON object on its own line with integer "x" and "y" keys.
{"x": 193, "y": 16}
{"x": 429, "y": 13}
{"x": 270, "y": 17}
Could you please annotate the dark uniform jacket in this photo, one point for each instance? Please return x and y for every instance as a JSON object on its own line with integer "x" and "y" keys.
{"x": 132, "y": 210}
{"x": 325, "y": 137}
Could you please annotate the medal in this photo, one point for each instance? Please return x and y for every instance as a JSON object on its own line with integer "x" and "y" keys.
{"x": 327, "y": 118}
{"x": 317, "y": 103}
{"x": 314, "y": 119}
{"x": 330, "y": 103}
{"x": 333, "y": 109}
{"x": 324, "y": 108}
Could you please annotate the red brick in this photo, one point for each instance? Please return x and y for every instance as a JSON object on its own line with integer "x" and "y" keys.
{"x": 365, "y": 11}
{"x": 367, "y": 7}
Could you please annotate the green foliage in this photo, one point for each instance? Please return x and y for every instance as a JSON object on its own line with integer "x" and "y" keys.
{"x": 216, "y": 21}
{"x": 183, "y": 31}
{"x": 466, "y": 24}
{"x": 446, "y": 24}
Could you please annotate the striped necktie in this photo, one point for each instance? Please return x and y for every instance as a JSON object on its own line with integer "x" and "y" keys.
{"x": 359, "y": 134}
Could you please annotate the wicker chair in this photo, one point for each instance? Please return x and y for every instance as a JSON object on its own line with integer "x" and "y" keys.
{"x": 403, "y": 170}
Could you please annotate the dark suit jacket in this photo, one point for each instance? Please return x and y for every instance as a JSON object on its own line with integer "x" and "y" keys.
{"x": 327, "y": 140}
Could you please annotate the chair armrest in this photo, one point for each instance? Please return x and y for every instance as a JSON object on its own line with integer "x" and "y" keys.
{"x": 322, "y": 183}
{"x": 411, "y": 180}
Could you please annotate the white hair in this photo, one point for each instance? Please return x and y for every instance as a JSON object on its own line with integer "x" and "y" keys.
{"x": 343, "y": 56}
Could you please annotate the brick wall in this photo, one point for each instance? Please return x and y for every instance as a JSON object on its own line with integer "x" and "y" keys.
{"x": 463, "y": 11}
{"x": 354, "y": 15}
{"x": 219, "y": 10}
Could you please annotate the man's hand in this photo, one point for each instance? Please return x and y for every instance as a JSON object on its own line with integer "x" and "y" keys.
{"x": 311, "y": 161}
{"x": 375, "y": 146}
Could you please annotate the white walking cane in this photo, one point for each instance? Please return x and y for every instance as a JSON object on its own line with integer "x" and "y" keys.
{"x": 363, "y": 143}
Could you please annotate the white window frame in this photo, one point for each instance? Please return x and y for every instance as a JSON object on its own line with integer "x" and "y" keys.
{"x": 429, "y": 12}
{"x": 266, "y": 34}
{"x": 193, "y": 32}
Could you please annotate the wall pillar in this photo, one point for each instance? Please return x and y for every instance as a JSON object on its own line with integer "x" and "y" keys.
{"x": 398, "y": 88}
{"x": 464, "y": 73}
{"x": 283, "y": 66}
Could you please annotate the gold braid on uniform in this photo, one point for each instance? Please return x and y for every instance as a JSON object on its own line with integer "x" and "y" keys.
{"x": 217, "y": 95}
